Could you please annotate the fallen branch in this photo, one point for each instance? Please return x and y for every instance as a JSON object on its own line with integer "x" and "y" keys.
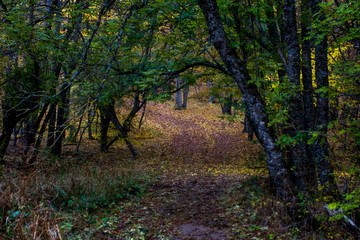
{"x": 347, "y": 222}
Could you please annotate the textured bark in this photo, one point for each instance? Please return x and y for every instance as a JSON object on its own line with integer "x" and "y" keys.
{"x": 251, "y": 97}
{"x": 308, "y": 96}
{"x": 303, "y": 168}
{"x": 321, "y": 145}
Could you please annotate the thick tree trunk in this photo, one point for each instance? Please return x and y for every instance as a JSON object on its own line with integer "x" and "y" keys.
{"x": 321, "y": 145}
{"x": 252, "y": 98}
{"x": 303, "y": 168}
{"x": 306, "y": 69}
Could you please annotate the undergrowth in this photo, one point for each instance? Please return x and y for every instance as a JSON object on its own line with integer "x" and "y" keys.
{"x": 34, "y": 201}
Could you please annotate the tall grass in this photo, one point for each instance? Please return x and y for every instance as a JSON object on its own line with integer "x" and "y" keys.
{"x": 32, "y": 201}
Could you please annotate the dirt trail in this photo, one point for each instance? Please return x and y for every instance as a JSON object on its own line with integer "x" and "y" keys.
{"x": 199, "y": 157}
{"x": 207, "y": 182}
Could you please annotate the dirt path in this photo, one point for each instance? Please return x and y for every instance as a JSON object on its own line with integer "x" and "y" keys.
{"x": 199, "y": 159}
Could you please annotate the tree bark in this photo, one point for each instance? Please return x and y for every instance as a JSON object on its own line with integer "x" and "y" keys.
{"x": 306, "y": 69}
{"x": 258, "y": 117}
{"x": 321, "y": 145}
{"x": 303, "y": 168}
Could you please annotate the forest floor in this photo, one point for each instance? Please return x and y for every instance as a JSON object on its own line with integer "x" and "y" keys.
{"x": 197, "y": 177}
{"x": 199, "y": 161}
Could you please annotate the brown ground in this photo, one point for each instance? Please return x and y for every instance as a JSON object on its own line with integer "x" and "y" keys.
{"x": 199, "y": 159}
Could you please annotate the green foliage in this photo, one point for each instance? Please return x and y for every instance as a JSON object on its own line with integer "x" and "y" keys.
{"x": 350, "y": 205}
{"x": 82, "y": 196}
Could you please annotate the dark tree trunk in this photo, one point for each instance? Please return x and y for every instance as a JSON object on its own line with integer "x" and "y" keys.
{"x": 109, "y": 112}
{"x": 258, "y": 117}
{"x": 40, "y": 137}
{"x": 91, "y": 116}
{"x": 303, "y": 168}
{"x": 142, "y": 116}
{"x": 226, "y": 105}
{"x": 104, "y": 127}
{"x": 31, "y": 128}
{"x": 8, "y": 123}
{"x": 247, "y": 126}
{"x": 61, "y": 118}
{"x": 321, "y": 145}
{"x": 308, "y": 96}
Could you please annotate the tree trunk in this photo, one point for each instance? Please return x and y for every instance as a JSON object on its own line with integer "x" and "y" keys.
{"x": 247, "y": 126}
{"x": 109, "y": 112}
{"x": 308, "y": 96}
{"x": 104, "y": 127}
{"x": 31, "y": 128}
{"x": 8, "y": 124}
{"x": 227, "y": 104}
{"x": 303, "y": 168}
{"x": 61, "y": 118}
{"x": 321, "y": 145}
{"x": 258, "y": 117}
{"x": 185, "y": 97}
{"x": 178, "y": 95}
{"x": 40, "y": 137}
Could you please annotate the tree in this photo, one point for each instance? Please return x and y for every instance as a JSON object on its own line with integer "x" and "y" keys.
{"x": 254, "y": 102}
